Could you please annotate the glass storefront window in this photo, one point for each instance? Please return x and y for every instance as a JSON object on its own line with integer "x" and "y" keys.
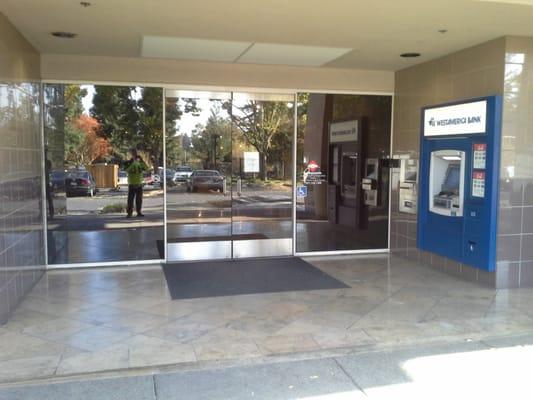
{"x": 342, "y": 175}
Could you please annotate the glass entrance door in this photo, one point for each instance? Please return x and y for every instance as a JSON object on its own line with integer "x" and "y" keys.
{"x": 228, "y": 175}
{"x": 262, "y": 191}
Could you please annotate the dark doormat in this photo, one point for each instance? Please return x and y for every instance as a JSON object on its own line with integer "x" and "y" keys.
{"x": 233, "y": 277}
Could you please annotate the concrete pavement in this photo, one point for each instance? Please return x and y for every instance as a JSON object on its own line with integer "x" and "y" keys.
{"x": 490, "y": 369}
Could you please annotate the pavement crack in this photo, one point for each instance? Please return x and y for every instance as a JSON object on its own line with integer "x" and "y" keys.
{"x": 350, "y": 377}
{"x": 154, "y": 387}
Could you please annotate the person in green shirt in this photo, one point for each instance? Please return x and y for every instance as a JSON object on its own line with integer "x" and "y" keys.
{"x": 135, "y": 168}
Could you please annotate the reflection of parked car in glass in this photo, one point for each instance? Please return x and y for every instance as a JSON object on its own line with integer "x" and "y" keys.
{"x": 57, "y": 180}
{"x": 148, "y": 178}
{"x": 170, "y": 176}
{"x": 182, "y": 173}
{"x": 205, "y": 179}
{"x": 80, "y": 183}
{"x": 122, "y": 180}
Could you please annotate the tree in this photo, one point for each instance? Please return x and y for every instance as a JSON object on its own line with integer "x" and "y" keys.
{"x": 259, "y": 122}
{"x": 132, "y": 117}
{"x": 74, "y": 136}
{"x": 92, "y": 147}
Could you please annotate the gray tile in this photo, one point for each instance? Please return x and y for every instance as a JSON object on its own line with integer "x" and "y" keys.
{"x": 508, "y": 248}
{"x": 527, "y": 247}
{"x": 507, "y": 275}
{"x": 130, "y": 388}
{"x": 510, "y": 220}
{"x": 288, "y": 380}
{"x": 526, "y": 274}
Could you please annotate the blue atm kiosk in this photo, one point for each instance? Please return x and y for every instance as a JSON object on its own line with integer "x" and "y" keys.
{"x": 459, "y": 172}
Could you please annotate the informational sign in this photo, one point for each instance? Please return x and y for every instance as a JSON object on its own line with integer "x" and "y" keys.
{"x": 251, "y": 161}
{"x": 313, "y": 175}
{"x": 480, "y": 155}
{"x": 478, "y": 184}
{"x": 301, "y": 191}
{"x": 346, "y": 131}
{"x": 458, "y": 119}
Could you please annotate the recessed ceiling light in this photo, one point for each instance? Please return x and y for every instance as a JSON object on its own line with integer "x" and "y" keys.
{"x": 410, "y": 55}
{"x": 64, "y": 35}
{"x": 85, "y": 3}
{"x": 442, "y": 30}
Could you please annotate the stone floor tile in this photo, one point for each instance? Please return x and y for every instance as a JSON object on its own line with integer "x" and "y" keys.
{"x": 113, "y": 358}
{"x": 136, "y": 322}
{"x": 137, "y": 303}
{"x": 146, "y": 351}
{"x": 56, "y": 329}
{"x": 287, "y": 344}
{"x": 97, "y": 338}
{"x": 24, "y": 318}
{"x": 227, "y": 350}
{"x": 28, "y": 368}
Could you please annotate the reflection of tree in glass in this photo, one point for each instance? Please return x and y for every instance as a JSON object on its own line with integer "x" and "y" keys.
{"x": 133, "y": 117}
{"x": 260, "y": 122}
{"x": 211, "y": 144}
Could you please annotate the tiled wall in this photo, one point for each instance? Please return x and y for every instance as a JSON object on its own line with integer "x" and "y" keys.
{"x": 21, "y": 228}
{"x": 515, "y": 239}
{"x": 473, "y": 72}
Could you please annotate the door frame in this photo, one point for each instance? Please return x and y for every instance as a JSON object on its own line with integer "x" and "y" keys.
{"x": 192, "y": 87}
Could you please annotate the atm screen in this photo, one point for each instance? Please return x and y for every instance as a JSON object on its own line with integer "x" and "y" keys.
{"x": 452, "y": 179}
{"x": 410, "y": 175}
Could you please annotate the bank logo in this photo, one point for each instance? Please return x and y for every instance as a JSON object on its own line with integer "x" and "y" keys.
{"x": 455, "y": 121}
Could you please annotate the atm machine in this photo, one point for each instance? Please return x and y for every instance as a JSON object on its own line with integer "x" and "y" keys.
{"x": 458, "y": 181}
{"x": 408, "y": 198}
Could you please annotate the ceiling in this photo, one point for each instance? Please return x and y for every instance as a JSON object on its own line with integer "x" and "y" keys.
{"x": 368, "y": 34}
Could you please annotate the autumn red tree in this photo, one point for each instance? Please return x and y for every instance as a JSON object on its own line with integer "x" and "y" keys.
{"x": 91, "y": 146}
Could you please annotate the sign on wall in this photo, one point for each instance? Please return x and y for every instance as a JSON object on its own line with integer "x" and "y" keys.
{"x": 458, "y": 119}
{"x": 251, "y": 161}
{"x": 346, "y": 131}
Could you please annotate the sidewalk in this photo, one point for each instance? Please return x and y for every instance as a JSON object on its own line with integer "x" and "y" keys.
{"x": 491, "y": 369}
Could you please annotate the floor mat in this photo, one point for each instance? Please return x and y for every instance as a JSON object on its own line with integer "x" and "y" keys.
{"x": 234, "y": 277}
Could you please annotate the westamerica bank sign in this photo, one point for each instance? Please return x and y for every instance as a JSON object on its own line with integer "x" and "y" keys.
{"x": 457, "y": 119}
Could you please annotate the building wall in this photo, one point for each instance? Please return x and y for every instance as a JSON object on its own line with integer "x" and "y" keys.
{"x": 21, "y": 228}
{"x": 472, "y": 72}
{"x": 162, "y": 71}
{"x": 515, "y": 233}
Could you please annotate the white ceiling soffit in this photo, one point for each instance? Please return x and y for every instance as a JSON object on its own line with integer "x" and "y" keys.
{"x": 191, "y": 49}
{"x": 287, "y": 54}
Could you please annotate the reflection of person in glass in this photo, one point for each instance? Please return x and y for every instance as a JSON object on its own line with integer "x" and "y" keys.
{"x": 135, "y": 168}
{"x": 48, "y": 185}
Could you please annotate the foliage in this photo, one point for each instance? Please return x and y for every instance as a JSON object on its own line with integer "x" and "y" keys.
{"x": 91, "y": 147}
{"x": 212, "y": 143}
{"x": 113, "y": 208}
{"x": 265, "y": 124}
{"x": 132, "y": 117}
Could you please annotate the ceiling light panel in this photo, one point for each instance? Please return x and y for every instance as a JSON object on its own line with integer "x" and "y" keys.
{"x": 285, "y": 54}
{"x": 192, "y": 49}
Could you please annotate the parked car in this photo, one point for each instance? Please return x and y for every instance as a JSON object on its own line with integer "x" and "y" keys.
{"x": 169, "y": 176}
{"x": 80, "y": 183}
{"x": 205, "y": 179}
{"x": 122, "y": 180}
{"x": 148, "y": 178}
{"x": 183, "y": 173}
{"x": 57, "y": 180}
